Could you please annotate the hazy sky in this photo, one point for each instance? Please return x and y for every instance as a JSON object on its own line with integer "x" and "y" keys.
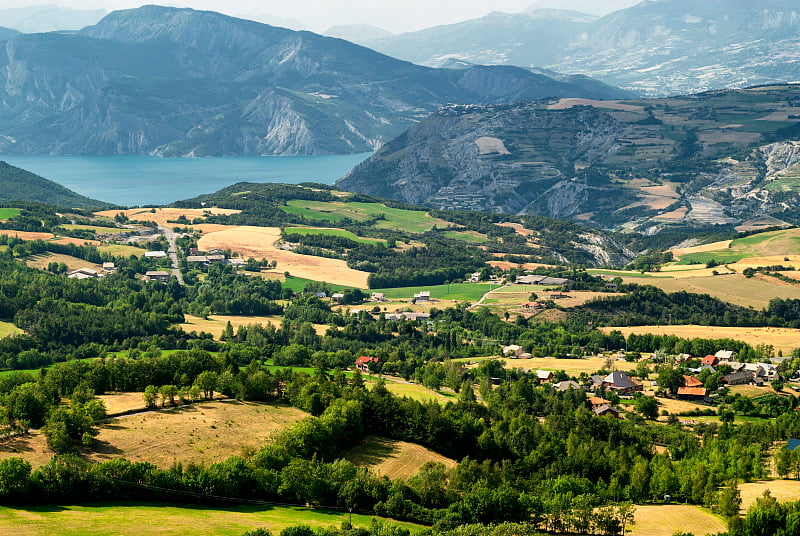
{"x": 319, "y": 15}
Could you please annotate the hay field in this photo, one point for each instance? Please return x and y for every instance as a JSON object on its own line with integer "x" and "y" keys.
{"x": 667, "y": 519}
{"x": 117, "y": 403}
{"x": 733, "y": 288}
{"x": 395, "y": 459}
{"x": 27, "y": 235}
{"x": 95, "y": 228}
{"x": 782, "y": 490}
{"x": 200, "y": 433}
{"x": 75, "y": 241}
{"x": 506, "y": 265}
{"x": 566, "y": 103}
{"x": 415, "y": 391}
{"x": 259, "y": 243}
{"x": 8, "y": 329}
{"x": 73, "y": 263}
{"x": 8, "y": 213}
{"x": 455, "y": 291}
{"x": 520, "y": 230}
{"x": 136, "y": 519}
{"x": 162, "y": 216}
{"x": 215, "y": 324}
{"x": 784, "y": 339}
{"x": 31, "y": 446}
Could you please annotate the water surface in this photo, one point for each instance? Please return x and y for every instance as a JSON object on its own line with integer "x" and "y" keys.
{"x": 133, "y": 180}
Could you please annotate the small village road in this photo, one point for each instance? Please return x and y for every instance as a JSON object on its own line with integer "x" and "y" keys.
{"x": 170, "y": 235}
{"x": 480, "y": 302}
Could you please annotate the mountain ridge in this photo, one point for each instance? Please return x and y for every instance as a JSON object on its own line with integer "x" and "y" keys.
{"x": 227, "y": 86}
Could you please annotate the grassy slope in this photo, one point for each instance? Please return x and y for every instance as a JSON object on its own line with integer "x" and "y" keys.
{"x": 395, "y": 459}
{"x": 455, "y": 291}
{"x": 7, "y": 329}
{"x": 413, "y": 221}
{"x": 8, "y": 213}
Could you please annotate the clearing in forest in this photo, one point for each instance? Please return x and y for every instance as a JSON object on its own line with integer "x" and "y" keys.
{"x": 331, "y": 231}
{"x": 8, "y": 213}
{"x": 205, "y": 432}
{"x": 783, "y": 339}
{"x": 215, "y": 324}
{"x": 395, "y": 459}
{"x": 7, "y": 329}
{"x": 259, "y": 243}
{"x": 135, "y": 519}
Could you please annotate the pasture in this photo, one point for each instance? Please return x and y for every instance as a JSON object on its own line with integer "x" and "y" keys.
{"x": 136, "y": 519}
{"x": 772, "y": 243}
{"x": 329, "y": 231}
{"x": 394, "y": 459}
{"x": 215, "y": 324}
{"x": 665, "y": 520}
{"x": 783, "y": 339}
{"x": 414, "y": 221}
{"x": 8, "y": 213}
{"x": 471, "y": 237}
{"x": 204, "y": 432}
{"x": 259, "y": 243}
{"x": 120, "y": 250}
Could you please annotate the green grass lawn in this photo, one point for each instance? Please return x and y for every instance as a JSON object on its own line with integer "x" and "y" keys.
{"x": 720, "y": 256}
{"x": 455, "y": 291}
{"x": 414, "y": 221}
{"x": 334, "y": 232}
{"x": 8, "y": 213}
{"x": 131, "y": 519}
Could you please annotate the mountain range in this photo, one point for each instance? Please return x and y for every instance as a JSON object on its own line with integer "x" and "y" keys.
{"x": 180, "y": 82}
{"x": 48, "y": 18}
{"x": 722, "y": 157}
{"x": 656, "y": 48}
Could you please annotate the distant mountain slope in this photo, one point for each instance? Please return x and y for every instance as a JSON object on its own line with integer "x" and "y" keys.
{"x": 356, "y": 33}
{"x": 715, "y": 158}
{"x": 48, "y": 18}
{"x": 17, "y": 184}
{"x": 657, "y": 47}
{"x": 8, "y": 33}
{"x": 222, "y": 85}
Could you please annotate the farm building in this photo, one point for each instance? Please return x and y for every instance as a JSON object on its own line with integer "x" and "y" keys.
{"x": 157, "y": 275}
{"x": 620, "y": 382}
{"x": 544, "y": 376}
{"x": 696, "y": 394}
{"x": 155, "y": 254}
{"x": 377, "y": 297}
{"x": 691, "y": 381}
{"x": 423, "y": 296}
{"x": 83, "y": 273}
{"x": 605, "y": 409}
{"x": 109, "y": 267}
{"x": 725, "y": 356}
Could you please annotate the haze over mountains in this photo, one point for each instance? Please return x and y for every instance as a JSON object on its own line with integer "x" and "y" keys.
{"x": 658, "y": 47}
{"x": 222, "y": 85}
{"x": 48, "y": 18}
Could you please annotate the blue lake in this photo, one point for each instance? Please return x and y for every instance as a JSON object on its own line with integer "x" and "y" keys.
{"x": 143, "y": 180}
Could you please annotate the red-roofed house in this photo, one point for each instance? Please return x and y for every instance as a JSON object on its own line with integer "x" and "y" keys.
{"x": 692, "y": 393}
{"x": 709, "y": 360}
{"x": 691, "y": 381}
{"x": 362, "y": 363}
